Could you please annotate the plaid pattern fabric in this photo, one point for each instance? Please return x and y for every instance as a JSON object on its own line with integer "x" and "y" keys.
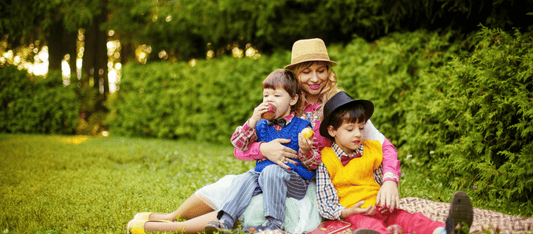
{"x": 243, "y": 137}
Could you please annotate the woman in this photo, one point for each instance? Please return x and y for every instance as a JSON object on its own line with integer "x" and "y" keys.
{"x": 312, "y": 66}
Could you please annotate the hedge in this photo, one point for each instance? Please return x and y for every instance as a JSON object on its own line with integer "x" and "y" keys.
{"x": 204, "y": 102}
{"x": 461, "y": 108}
{"x": 35, "y": 104}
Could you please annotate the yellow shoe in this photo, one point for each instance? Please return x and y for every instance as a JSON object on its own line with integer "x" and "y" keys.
{"x": 142, "y": 216}
{"x": 137, "y": 226}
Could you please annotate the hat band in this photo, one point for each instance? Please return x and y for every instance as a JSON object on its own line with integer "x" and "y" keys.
{"x": 311, "y": 57}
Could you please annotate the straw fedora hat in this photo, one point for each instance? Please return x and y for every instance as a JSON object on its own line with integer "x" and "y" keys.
{"x": 306, "y": 50}
{"x": 337, "y": 101}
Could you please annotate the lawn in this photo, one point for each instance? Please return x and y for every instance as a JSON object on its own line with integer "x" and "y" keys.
{"x": 80, "y": 184}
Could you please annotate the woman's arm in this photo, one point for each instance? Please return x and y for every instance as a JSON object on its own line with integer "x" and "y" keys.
{"x": 391, "y": 164}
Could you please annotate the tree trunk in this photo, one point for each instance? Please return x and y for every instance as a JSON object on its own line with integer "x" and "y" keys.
{"x": 89, "y": 53}
{"x": 55, "y": 48}
{"x": 95, "y": 59}
{"x": 127, "y": 53}
{"x": 101, "y": 56}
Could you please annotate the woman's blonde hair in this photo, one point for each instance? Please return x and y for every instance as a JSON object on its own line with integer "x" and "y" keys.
{"x": 328, "y": 91}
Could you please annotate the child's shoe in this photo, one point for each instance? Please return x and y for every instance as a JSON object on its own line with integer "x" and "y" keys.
{"x": 270, "y": 227}
{"x": 461, "y": 213}
{"x": 218, "y": 226}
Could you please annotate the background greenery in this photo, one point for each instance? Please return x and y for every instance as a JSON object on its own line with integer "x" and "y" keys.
{"x": 451, "y": 80}
{"x": 32, "y": 104}
{"x": 459, "y": 106}
{"x": 81, "y": 184}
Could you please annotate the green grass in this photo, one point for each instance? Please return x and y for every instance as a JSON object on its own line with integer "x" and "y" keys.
{"x": 78, "y": 184}
{"x": 52, "y": 185}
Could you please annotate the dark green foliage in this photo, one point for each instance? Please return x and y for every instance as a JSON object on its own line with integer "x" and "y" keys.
{"x": 477, "y": 117}
{"x": 38, "y": 106}
{"x": 220, "y": 25}
{"x": 205, "y": 102}
{"x": 465, "y": 115}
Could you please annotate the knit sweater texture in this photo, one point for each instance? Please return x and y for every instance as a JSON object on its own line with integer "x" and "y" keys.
{"x": 267, "y": 133}
{"x": 355, "y": 181}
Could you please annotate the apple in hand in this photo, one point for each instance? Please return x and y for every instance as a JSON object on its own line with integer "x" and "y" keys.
{"x": 271, "y": 113}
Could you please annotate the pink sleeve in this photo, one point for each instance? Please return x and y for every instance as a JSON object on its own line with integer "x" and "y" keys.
{"x": 321, "y": 141}
{"x": 253, "y": 152}
{"x": 391, "y": 164}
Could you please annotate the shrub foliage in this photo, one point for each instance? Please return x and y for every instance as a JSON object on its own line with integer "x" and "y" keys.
{"x": 204, "y": 102}
{"x": 461, "y": 108}
{"x": 33, "y": 104}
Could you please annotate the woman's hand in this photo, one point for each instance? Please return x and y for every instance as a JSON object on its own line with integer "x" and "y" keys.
{"x": 256, "y": 116}
{"x": 356, "y": 209}
{"x": 388, "y": 198}
{"x": 278, "y": 153}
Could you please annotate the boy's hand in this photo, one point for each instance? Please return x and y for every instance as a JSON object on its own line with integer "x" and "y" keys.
{"x": 304, "y": 143}
{"x": 388, "y": 198}
{"x": 256, "y": 116}
{"x": 356, "y": 209}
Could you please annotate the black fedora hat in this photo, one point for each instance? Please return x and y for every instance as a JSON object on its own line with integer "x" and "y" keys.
{"x": 338, "y": 100}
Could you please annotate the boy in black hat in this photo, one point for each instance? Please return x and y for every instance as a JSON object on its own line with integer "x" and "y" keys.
{"x": 345, "y": 184}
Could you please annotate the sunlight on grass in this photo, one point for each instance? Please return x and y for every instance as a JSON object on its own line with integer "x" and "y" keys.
{"x": 75, "y": 140}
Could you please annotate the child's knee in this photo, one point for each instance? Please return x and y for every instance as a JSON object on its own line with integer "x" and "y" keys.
{"x": 274, "y": 173}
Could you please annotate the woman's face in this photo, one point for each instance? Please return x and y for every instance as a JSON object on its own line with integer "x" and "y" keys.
{"x": 314, "y": 78}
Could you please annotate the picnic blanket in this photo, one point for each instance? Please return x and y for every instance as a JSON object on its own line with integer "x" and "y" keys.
{"x": 483, "y": 219}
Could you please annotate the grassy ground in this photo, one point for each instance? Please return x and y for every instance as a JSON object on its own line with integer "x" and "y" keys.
{"x": 78, "y": 184}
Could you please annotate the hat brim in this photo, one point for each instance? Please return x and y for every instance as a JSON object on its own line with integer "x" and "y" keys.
{"x": 333, "y": 63}
{"x": 369, "y": 111}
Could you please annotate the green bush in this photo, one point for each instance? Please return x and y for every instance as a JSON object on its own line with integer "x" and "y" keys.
{"x": 204, "y": 102}
{"x": 475, "y": 114}
{"x": 461, "y": 107}
{"x": 33, "y": 104}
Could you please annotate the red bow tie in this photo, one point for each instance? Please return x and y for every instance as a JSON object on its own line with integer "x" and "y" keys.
{"x": 345, "y": 159}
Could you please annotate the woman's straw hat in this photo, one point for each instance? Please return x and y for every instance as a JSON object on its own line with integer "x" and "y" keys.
{"x": 309, "y": 50}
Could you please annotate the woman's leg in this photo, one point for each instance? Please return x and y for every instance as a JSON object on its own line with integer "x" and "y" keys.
{"x": 193, "y": 225}
{"x": 191, "y": 208}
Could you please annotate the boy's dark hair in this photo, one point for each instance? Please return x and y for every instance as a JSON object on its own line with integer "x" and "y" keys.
{"x": 284, "y": 79}
{"x": 351, "y": 113}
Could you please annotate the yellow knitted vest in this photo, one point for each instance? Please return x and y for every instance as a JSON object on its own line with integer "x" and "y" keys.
{"x": 355, "y": 181}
